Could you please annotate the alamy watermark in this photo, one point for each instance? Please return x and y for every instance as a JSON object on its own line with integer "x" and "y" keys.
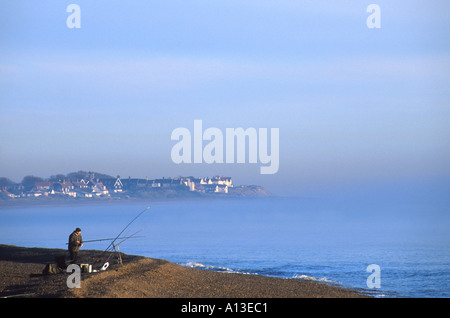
{"x": 73, "y": 21}
{"x": 374, "y": 279}
{"x": 74, "y": 279}
{"x": 190, "y": 148}
{"x": 374, "y": 19}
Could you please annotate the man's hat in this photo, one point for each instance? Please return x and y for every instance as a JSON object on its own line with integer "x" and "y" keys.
{"x": 77, "y": 229}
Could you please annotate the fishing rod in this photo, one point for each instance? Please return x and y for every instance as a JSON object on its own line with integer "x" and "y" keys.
{"x": 113, "y": 248}
{"x": 128, "y": 237}
{"x": 113, "y": 241}
{"x": 109, "y": 239}
{"x": 111, "y": 245}
{"x": 123, "y": 240}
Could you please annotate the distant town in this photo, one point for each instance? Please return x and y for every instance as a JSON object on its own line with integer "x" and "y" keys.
{"x": 84, "y": 185}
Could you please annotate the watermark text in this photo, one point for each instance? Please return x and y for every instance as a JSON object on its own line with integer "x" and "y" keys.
{"x": 191, "y": 149}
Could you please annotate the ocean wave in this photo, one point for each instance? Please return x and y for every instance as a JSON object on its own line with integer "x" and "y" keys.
{"x": 230, "y": 270}
{"x": 214, "y": 268}
{"x": 311, "y": 278}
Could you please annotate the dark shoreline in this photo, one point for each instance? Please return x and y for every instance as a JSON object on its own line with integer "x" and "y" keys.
{"x": 143, "y": 277}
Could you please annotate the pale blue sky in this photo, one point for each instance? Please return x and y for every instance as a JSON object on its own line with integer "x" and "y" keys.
{"x": 353, "y": 104}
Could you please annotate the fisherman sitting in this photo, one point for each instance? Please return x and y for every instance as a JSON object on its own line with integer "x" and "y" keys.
{"x": 75, "y": 242}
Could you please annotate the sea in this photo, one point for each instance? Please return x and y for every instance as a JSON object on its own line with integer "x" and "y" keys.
{"x": 385, "y": 248}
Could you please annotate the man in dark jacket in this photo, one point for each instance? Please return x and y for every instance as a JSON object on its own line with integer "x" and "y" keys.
{"x": 75, "y": 242}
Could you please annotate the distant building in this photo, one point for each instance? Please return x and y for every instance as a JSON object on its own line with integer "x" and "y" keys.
{"x": 39, "y": 186}
{"x": 222, "y": 181}
{"x": 113, "y": 185}
{"x": 9, "y": 194}
{"x": 222, "y": 188}
{"x": 66, "y": 186}
{"x": 98, "y": 188}
{"x": 104, "y": 185}
{"x": 212, "y": 188}
{"x": 189, "y": 183}
{"x": 80, "y": 184}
